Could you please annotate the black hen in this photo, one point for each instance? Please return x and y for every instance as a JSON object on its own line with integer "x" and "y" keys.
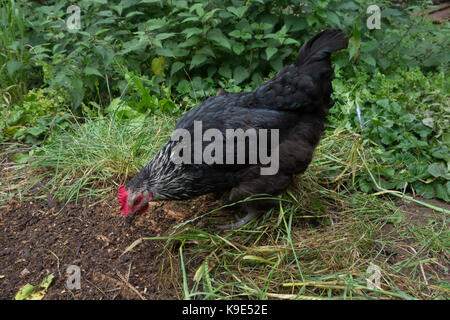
{"x": 295, "y": 101}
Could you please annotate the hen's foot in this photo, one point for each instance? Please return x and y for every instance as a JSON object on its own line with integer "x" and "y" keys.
{"x": 252, "y": 213}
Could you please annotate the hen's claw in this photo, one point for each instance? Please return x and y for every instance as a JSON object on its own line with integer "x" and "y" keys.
{"x": 252, "y": 214}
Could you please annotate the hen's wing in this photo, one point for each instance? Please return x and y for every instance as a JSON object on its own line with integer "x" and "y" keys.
{"x": 302, "y": 87}
{"x": 287, "y": 102}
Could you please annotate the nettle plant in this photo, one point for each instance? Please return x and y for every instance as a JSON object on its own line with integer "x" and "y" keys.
{"x": 41, "y": 112}
{"x": 195, "y": 46}
{"x": 404, "y": 119}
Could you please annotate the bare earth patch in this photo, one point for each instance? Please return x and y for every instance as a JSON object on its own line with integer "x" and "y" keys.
{"x": 38, "y": 238}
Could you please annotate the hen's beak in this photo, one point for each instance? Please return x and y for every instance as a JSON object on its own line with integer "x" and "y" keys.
{"x": 129, "y": 219}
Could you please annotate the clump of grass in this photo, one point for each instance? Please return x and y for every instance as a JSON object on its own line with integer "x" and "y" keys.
{"x": 93, "y": 157}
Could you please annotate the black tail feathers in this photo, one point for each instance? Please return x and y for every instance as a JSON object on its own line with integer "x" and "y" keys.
{"x": 322, "y": 46}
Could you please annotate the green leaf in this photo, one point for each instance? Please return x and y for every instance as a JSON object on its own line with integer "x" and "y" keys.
{"x": 270, "y": 52}
{"x": 176, "y": 66}
{"x": 197, "y": 60}
{"x": 240, "y": 74}
{"x": 238, "y": 12}
{"x": 189, "y": 32}
{"x": 438, "y": 170}
{"x": 133, "y": 14}
{"x": 429, "y": 122}
{"x": 92, "y": 71}
{"x": 225, "y": 72}
{"x": 235, "y": 34}
{"x": 77, "y": 92}
{"x": 158, "y": 66}
{"x": 238, "y": 48}
{"x": 154, "y": 24}
{"x": 36, "y": 131}
{"x": 441, "y": 192}
{"x": 28, "y": 292}
{"x": 217, "y": 36}
{"x": 25, "y": 292}
{"x": 12, "y": 66}
{"x": 333, "y": 18}
{"x": 163, "y": 36}
{"x": 369, "y": 60}
{"x": 183, "y": 86}
{"x": 21, "y": 158}
{"x": 165, "y": 52}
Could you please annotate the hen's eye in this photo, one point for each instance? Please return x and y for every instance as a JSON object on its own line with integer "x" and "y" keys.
{"x": 136, "y": 201}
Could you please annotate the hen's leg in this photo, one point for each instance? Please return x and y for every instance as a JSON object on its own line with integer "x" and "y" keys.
{"x": 252, "y": 213}
{"x": 263, "y": 184}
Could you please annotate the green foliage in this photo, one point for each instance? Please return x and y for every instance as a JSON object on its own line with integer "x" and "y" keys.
{"x": 405, "y": 119}
{"x": 404, "y": 39}
{"x": 42, "y": 111}
{"x": 193, "y": 45}
{"x": 15, "y": 54}
{"x": 142, "y": 101}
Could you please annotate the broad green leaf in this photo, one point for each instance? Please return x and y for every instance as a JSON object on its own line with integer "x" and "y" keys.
{"x": 225, "y": 72}
{"x": 333, "y": 18}
{"x": 28, "y": 292}
{"x": 77, "y": 92}
{"x": 92, "y": 71}
{"x": 163, "y": 36}
{"x": 158, "y": 66}
{"x": 197, "y": 60}
{"x": 238, "y": 48}
{"x": 176, "y": 66}
{"x": 21, "y": 158}
{"x": 369, "y": 60}
{"x": 270, "y": 52}
{"x": 235, "y": 33}
{"x": 239, "y": 11}
{"x": 13, "y": 66}
{"x": 441, "y": 192}
{"x": 438, "y": 170}
{"x": 240, "y": 74}
{"x": 429, "y": 122}
{"x": 217, "y": 36}
{"x": 189, "y": 32}
{"x": 36, "y": 131}
{"x": 166, "y": 52}
{"x": 25, "y": 292}
{"x": 154, "y": 24}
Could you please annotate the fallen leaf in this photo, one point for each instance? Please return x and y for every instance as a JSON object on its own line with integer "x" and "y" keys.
{"x": 28, "y": 291}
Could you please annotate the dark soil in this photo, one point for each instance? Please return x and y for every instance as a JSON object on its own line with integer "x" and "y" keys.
{"x": 40, "y": 237}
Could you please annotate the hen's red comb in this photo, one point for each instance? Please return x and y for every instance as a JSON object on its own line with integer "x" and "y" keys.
{"x": 123, "y": 196}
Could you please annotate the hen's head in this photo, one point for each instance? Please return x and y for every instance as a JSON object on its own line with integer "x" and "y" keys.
{"x": 133, "y": 203}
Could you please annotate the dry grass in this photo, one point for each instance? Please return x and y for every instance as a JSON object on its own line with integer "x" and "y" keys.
{"x": 319, "y": 244}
